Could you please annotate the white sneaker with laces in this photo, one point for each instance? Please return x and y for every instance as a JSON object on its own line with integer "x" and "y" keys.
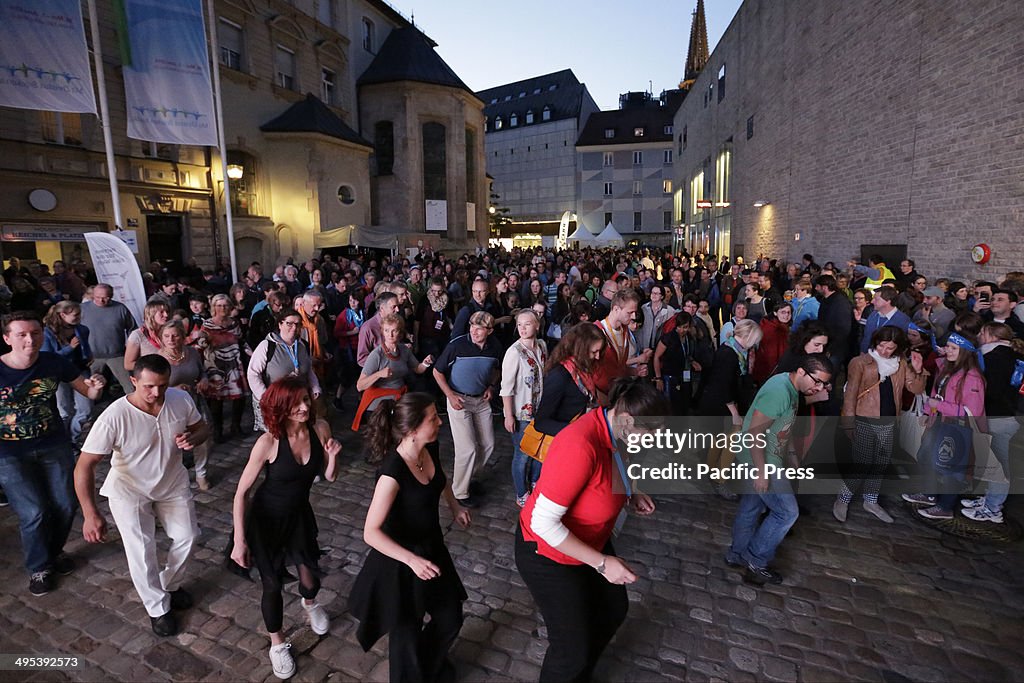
{"x": 973, "y": 502}
{"x": 318, "y": 619}
{"x": 281, "y": 661}
{"x": 983, "y": 514}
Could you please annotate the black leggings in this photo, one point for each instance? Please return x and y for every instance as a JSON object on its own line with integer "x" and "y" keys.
{"x": 273, "y": 600}
{"x": 581, "y": 610}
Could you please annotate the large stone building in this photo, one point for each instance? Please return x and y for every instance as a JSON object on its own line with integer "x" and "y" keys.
{"x": 308, "y": 88}
{"x": 532, "y": 126}
{"x": 625, "y": 160}
{"x": 840, "y": 128}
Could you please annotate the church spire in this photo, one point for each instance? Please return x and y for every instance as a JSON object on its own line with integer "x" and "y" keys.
{"x": 697, "y": 55}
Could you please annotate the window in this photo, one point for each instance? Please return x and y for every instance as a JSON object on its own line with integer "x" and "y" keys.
{"x": 684, "y": 137}
{"x": 536, "y": 91}
{"x": 369, "y": 35}
{"x": 327, "y": 88}
{"x": 638, "y": 158}
{"x": 666, "y": 156}
{"x": 384, "y": 147}
{"x": 667, "y": 130}
{"x": 230, "y": 41}
{"x": 609, "y": 133}
{"x": 666, "y": 186}
{"x": 721, "y": 83}
{"x": 487, "y": 124}
{"x": 155, "y": 150}
{"x": 553, "y": 86}
{"x": 607, "y": 189}
{"x": 284, "y": 62}
{"x": 325, "y": 12}
{"x": 638, "y": 221}
{"x": 494, "y": 100}
{"x": 666, "y": 220}
{"x": 470, "y": 165}
{"x": 346, "y": 195}
{"x": 607, "y": 218}
{"x": 638, "y": 132}
{"x": 546, "y": 114}
{"x": 244, "y": 191}
{"x": 529, "y": 116}
{"x": 638, "y": 187}
{"x": 513, "y": 120}
{"x": 508, "y": 97}
{"x": 62, "y": 128}
{"x": 498, "y": 123}
{"x": 522, "y": 94}
{"x": 609, "y": 159}
{"x": 709, "y": 95}
{"x": 434, "y": 161}
{"x": 750, "y": 127}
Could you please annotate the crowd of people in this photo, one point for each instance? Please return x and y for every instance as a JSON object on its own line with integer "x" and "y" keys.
{"x": 566, "y": 351}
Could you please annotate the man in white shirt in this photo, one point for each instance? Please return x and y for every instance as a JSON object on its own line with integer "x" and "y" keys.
{"x": 146, "y": 432}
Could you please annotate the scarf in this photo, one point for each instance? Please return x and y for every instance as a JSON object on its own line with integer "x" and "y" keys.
{"x": 437, "y": 303}
{"x": 991, "y": 346}
{"x": 535, "y": 361}
{"x": 312, "y": 334}
{"x": 886, "y": 366}
{"x": 584, "y": 381}
{"x": 743, "y": 353}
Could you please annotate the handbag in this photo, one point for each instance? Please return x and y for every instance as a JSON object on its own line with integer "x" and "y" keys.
{"x": 986, "y": 466}
{"x": 535, "y": 443}
{"x": 946, "y": 446}
{"x": 912, "y": 427}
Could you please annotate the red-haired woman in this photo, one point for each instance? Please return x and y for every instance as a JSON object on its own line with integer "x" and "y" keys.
{"x": 280, "y": 528}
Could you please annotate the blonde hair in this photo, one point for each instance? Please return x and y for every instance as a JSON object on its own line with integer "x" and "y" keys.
{"x": 149, "y": 313}
{"x": 748, "y": 332}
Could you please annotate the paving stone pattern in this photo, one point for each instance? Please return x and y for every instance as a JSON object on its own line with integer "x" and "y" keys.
{"x": 861, "y": 601}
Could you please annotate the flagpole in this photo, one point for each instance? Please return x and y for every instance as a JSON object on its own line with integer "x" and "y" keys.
{"x": 229, "y": 219}
{"x": 101, "y": 85}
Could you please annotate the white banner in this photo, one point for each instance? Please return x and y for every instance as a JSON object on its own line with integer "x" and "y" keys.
{"x": 563, "y": 230}
{"x": 115, "y": 266}
{"x": 44, "y": 61}
{"x": 437, "y": 215}
{"x": 167, "y": 72}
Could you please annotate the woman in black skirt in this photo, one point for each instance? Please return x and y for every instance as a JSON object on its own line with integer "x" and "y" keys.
{"x": 280, "y": 528}
{"x": 408, "y": 572}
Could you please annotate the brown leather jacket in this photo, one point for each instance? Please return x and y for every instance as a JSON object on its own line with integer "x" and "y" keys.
{"x": 861, "y": 397}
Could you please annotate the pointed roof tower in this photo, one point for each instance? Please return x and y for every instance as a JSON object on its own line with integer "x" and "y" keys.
{"x": 697, "y": 55}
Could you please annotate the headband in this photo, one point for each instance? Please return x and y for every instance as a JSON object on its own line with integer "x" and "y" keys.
{"x": 926, "y": 333}
{"x": 956, "y": 340}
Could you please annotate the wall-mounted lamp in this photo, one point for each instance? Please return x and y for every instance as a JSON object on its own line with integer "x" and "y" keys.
{"x": 761, "y": 203}
{"x": 722, "y": 205}
{"x": 235, "y": 171}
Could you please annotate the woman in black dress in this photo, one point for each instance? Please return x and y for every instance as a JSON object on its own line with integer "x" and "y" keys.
{"x": 280, "y": 528}
{"x": 408, "y": 572}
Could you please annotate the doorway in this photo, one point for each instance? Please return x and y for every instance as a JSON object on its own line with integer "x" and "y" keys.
{"x": 166, "y": 241}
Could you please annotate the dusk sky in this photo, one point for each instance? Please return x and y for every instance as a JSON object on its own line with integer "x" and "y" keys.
{"x": 611, "y": 45}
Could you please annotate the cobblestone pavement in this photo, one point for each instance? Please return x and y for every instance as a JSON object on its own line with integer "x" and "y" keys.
{"x": 864, "y": 601}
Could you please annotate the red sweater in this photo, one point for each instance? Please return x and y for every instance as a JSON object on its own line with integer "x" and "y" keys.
{"x": 770, "y": 350}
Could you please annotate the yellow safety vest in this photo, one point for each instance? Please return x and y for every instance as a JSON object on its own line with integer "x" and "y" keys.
{"x": 885, "y": 274}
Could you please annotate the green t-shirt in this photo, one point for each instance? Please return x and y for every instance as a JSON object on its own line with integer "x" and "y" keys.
{"x": 777, "y": 399}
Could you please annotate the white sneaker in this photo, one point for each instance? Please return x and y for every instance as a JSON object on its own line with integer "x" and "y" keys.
{"x": 983, "y": 514}
{"x": 281, "y": 661}
{"x": 973, "y": 502}
{"x": 318, "y": 619}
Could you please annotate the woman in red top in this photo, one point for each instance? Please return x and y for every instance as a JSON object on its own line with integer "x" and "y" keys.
{"x": 773, "y": 343}
{"x": 563, "y": 544}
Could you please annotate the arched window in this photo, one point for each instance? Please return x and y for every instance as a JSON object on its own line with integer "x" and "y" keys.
{"x": 435, "y": 182}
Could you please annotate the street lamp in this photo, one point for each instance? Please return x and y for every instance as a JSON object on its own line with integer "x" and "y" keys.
{"x": 235, "y": 171}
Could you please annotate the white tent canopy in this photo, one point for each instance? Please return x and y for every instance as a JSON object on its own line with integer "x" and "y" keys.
{"x": 609, "y": 236}
{"x": 355, "y": 235}
{"x": 582, "y": 235}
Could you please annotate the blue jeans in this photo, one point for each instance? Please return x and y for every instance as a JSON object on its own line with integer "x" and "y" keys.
{"x": 40, "y": 487}
{"x": 74, "y": 408}
{"x": 755, "y": 541}
{"x": 1002, "y": 430}
{"x": 525, "y": 470}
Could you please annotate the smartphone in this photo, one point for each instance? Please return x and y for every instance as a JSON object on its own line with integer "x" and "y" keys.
{"x": 984, "y": 296}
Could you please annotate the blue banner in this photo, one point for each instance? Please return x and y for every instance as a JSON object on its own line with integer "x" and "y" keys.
{"x": 167, "y": 72}
{"x": 44, "y": 60}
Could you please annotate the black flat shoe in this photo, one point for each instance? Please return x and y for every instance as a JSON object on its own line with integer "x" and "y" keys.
{"x": 470, "y": 502}
{"x": 164, "y": 626}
